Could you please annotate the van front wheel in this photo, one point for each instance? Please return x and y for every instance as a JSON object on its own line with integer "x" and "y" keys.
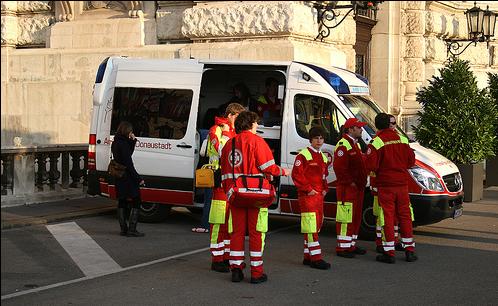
{"x": 153, "y": 212}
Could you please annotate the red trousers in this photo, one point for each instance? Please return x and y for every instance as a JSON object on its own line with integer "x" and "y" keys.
{"x": 347, "y": 233}
{"x": 310, "y": 205}
{"x": 246, "y": 219}
{"x": 220, "y": 239}
{"x": 395, "y": 202}
{"x": 379, "y": 232}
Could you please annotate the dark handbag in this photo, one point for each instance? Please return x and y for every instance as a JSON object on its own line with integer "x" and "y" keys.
{"x": 115, "y": 169}
{"x": 250, "y": 191}
{"x": 217, "y": 177}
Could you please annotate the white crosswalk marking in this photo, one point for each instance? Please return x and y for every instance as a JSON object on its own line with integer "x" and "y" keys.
{"x": 83, "y": 250}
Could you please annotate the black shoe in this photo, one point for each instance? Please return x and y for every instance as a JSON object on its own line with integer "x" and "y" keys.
{"x": 410, "y": 256}
{"x": 359, "y": 250}
{"x": 320, "y": 264}
{"x": 345, "y": 254}
{"x": 379, "y": 249}
{"x": 263, "y": 278}
{"x": 237, "y": 275}
{"x": 306, "y": 262}
{"x": 399, "y": 247}
{"x": 220, "y": 267}
{"x": 386, "y": 258}
{"x": 134, "y": 234}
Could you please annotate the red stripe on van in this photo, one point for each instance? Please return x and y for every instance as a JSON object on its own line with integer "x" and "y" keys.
{"x": 163, "y": 196}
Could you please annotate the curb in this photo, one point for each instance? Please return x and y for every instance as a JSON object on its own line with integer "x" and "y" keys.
{"x": 37, "y": 220}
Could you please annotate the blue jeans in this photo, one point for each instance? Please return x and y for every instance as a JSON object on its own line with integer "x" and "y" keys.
{"x": 208, "y": 196}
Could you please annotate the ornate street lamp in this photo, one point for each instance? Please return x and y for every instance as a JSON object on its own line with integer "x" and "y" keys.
{"x": 481, "y": 27}
{"x": 328, "y": 14}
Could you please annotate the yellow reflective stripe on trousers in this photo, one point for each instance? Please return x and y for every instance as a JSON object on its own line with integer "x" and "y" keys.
{"x": 344, "y": 229}
{"x": 262, "y": 225}
{"x": 344, "y": 213}
{"x": 411, "y": 212}
{"x": 376, "y": 206}
{"x": 230, "y": 224}
{"x": 308, "y": 222}
{"x": 214, "y": 233}
{"x": 217, "y": 212}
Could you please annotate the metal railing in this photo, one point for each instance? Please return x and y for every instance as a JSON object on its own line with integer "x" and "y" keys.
{"x": 42, "y": 169}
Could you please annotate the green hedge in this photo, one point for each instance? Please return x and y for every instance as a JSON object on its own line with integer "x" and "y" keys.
{"x": 457, "y": 118}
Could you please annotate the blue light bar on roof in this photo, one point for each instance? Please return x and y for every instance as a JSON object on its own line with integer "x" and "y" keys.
{"x": 337, "y": 83}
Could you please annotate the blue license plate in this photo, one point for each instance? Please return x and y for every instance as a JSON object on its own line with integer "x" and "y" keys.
{"x": 458, "y": 212}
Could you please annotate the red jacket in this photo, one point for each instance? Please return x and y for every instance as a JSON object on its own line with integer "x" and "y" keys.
{"x": 252, "y": 156}
{"x": 349, "y": 165}
{"x": 216, "y": 133}
{"x": 311, "y": 174}
{"x": 389, "y": 155}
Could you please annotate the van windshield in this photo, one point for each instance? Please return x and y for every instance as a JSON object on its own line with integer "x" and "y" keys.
{"x": 365, "y": 109}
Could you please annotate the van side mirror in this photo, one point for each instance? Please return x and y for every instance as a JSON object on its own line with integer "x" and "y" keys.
{"x": 280, "y": 94}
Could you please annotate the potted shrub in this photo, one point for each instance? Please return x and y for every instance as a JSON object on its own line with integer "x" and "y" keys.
{"x": 457, "y": 121}
{"x": 492, "y": 163}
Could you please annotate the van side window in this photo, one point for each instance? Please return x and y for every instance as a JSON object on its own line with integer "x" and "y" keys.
{"x": 154, "y": 112}
{"x": 317, "y": 111}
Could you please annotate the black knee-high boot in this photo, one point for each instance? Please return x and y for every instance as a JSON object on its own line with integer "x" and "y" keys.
{"x": 123, "y": 217}
{"x": 132, "y": 229}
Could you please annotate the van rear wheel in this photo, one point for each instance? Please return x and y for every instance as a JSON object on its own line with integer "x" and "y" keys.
{"x": 367, "y": 227}
{"x": 153, "y": 212}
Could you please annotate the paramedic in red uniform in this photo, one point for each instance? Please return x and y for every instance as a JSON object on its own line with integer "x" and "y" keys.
{"x": 252, "y": 156}
{"x": 389, "y": 155}
{"x": 378, "y": 227}
{"x": 268, "y": 105}
{"x": 349, "y": 167}
{"x": 219, "y": 134}
{"x": 309, "y": 175}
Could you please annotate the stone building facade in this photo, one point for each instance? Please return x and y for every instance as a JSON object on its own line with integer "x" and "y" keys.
{"x": 50, "y": 50}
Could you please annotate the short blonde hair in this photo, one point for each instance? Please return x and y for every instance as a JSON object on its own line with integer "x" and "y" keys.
{"x": 234, "y": 108}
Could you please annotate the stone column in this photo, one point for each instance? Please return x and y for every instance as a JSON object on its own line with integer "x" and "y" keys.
{"x": 413, "y": 67}
{"x": 169, "y": 19}
{"x": 385, "y": 73}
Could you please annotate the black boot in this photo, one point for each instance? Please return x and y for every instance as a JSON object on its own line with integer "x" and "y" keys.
{"x": 237, "y": 275}
{"x": 410, "y": 256}
{"x": 386, "y": 258}
{"x": 122, "y": 221}
{"x": 132, "y": 229}
{"x": 320, "y": 264}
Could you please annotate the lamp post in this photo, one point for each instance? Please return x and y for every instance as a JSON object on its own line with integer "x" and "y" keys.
{"x": 481, "y": 28}
{"x": 328, "y": 14}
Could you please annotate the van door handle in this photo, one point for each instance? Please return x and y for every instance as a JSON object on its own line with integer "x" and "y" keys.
{"x": 184, "y": 146}
{"x": 294, "y": 153}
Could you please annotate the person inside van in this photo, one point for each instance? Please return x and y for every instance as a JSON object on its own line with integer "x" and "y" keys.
{"x": 127, "y": 187}
{"x": 269, "y": 107}
{"x": 241, "y": 95}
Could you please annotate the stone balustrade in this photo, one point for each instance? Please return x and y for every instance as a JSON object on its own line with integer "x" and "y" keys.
{"x": 41, "y": 173}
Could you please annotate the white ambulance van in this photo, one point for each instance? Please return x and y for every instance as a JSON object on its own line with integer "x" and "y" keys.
{"x": 170, "y": 104}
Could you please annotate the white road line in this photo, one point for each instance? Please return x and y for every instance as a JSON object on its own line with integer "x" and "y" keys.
{"x": 83, "y": 250}
{"x": 12, "y": 295}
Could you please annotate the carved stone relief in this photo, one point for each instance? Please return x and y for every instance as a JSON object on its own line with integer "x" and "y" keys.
{"x": 134, "y": 8}
{"x": 64, "y": 10}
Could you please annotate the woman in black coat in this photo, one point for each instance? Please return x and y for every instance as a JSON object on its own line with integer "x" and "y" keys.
{"x": 129, "y": 185}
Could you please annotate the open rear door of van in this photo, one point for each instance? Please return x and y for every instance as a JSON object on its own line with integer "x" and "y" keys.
{"x": 160, "y": 98}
